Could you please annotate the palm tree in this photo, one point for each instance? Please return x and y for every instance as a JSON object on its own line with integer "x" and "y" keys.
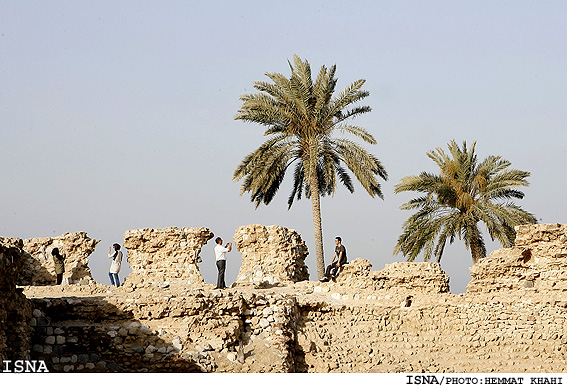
{"x": 302, "y": 117}
{"x": 455, "y": 201}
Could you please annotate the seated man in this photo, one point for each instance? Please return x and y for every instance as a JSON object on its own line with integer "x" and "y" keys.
{"x": 341, "y": 257}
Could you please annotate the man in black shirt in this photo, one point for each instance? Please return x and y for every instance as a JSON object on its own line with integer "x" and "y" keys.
{"x": 341, "y": 257}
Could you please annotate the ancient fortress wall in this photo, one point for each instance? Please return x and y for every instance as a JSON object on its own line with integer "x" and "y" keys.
{"x": 399, "y": 319}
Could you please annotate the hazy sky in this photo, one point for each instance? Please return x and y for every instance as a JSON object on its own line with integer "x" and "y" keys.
{"x": 120, "y": 115}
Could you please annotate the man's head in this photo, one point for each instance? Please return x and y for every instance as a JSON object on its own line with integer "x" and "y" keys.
{"x": 218, "y": 240}
{"x": 338, "y": 240}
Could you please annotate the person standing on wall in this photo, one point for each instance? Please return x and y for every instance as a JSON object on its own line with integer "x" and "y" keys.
{"x": 116, "y": 257}
{"x": 59, "y": 264}
{"x": 220, "y": 256}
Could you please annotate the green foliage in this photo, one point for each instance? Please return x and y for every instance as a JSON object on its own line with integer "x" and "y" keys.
{"x": 302, "y": 117}
{"x": 454, "y": 201}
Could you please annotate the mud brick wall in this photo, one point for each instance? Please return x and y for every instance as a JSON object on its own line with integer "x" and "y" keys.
{"x": 399, "y": 319}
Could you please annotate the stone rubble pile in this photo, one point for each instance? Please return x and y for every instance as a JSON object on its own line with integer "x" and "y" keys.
{"x": 270, "y": 255}
{"x": 159, "y": 255}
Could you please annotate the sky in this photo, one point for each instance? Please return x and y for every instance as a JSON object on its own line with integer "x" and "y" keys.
{"x": 120, "y": 115}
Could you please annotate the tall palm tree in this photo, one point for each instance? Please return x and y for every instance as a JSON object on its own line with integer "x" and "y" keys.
{"x": 302, "y": 117}
{"x": 456, "y": 200}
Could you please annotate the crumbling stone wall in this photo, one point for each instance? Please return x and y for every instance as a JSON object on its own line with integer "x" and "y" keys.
{"x": 363, "y": 322}
{"x": 173, "y": 330}
{"x": 15, "y": 309}
{"x": 536, "y": 262}
{"x": 160, "y": 255}
{"x": 403, "y": 277}
{"x": 270, "y": 254}
{"x": 39, "y": 267}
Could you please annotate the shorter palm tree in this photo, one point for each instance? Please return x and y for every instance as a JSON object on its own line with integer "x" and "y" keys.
{"x": 456, "y": 200}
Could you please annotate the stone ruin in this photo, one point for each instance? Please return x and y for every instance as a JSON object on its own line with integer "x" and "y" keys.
{"x": 401, "y": 277}
{"x": 39, "y": 267}
{"x": 538, "y": 261}
{"x": 270, "y": 255}
{"x": 399, "y": 319}
{"x": 162, "y": 255}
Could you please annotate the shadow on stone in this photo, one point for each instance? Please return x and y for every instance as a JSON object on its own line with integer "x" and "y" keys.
{"x": 89, "y": 334}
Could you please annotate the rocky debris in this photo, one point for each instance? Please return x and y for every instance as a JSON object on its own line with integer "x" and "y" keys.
{"x": 160, "y": 255}
{"x": 538, "y": 261}
{"x": 39, "y": 268}
{"x": 270, "y": 255}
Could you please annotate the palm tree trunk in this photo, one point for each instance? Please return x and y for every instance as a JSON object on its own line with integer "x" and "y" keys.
{"x": 317, "y": 224}
{"x": 318, "y": 230}
{"x": 476, "y": 250}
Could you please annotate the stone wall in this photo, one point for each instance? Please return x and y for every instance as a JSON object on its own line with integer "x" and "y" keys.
{"x": 39, "y": 267}
{"x": 299, "y": 329}
{"x": 501, "y": 333}
{"x": 93, "y": 335}
{"x": 399, "y": 319}
{"x": 270, "y": 255}
{"x": 175, "y": 330}
{"x": 400, "y": 277}
{"x": 538, "y": 261}
{"x": 165, "y": 255}
{"x": 15, "y": 309}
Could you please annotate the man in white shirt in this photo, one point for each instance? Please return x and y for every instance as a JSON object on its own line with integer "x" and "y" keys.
{"x": 220, "y": 255}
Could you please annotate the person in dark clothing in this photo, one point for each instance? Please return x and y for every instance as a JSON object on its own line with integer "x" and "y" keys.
{"x": 341, "y": 258}
{"x": 59, "y": 264}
